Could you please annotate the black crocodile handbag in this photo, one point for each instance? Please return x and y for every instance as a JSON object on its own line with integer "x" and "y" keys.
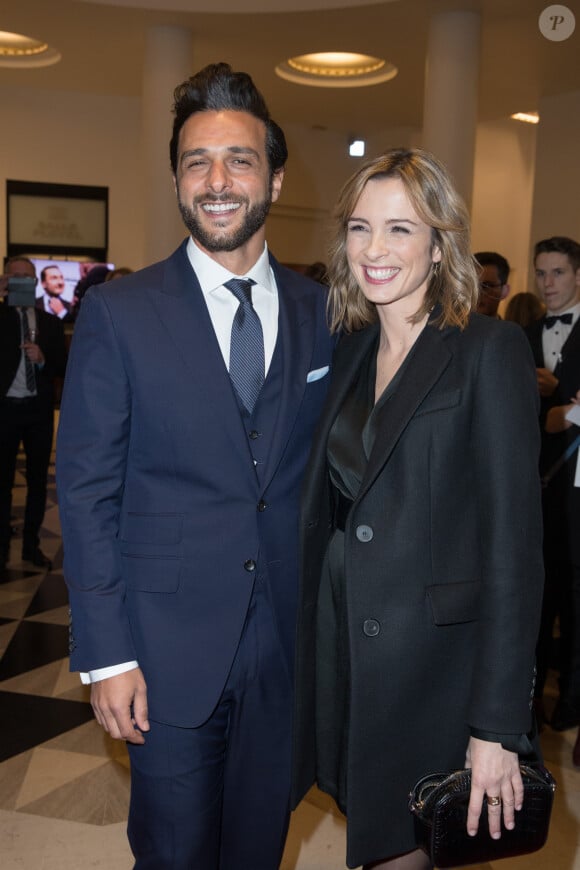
{"x": 439, "y": 806}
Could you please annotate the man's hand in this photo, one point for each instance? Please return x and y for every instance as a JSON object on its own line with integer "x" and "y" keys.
{"x": 547, "y": 383}
{"x": 56, "y": 305}
{"x": 33, "y": 352}
{"x": 496, "y": 778}
{"x": 120, "y": 705}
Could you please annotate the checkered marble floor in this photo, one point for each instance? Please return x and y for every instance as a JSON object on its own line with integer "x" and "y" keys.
{"x": 64, "y": 785}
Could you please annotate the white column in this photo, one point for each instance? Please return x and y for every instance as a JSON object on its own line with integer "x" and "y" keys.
{"x": 168, "y": 55}
{"x": 451, "y": 89}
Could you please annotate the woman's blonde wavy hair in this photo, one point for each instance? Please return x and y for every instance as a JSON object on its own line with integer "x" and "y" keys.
{"x": 453, "y": 283}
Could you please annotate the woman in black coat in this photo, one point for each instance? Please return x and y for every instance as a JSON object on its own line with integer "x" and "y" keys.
{"x": 421, "y": 524}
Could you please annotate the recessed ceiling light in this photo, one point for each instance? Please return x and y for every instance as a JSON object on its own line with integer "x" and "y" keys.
{"x": 17, "y": 50}
{"x": 528, "y": 117}
{"x": 336, "y": 69}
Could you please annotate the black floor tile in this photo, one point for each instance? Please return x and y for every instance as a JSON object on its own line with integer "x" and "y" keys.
{"x": 34, "y": 644}
{"x": 28, "y": 720}
{"x": 52, "y": 593}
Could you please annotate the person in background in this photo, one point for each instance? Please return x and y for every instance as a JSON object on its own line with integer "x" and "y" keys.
{"x": 525, "y": 309}
{"x": 420, "y": 525}
{"x": 53, "y": 284}
{"x": 197, "y": 383}
{"x": 118, "y": 273}
{"x": 493, "y": 282}
{"x": 318, "y": 272}
{"x": 555, "y": 343}
{"x": 32, "y": 354}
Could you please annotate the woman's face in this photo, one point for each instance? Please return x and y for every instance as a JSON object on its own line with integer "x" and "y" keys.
{"x": 389, "y": 249}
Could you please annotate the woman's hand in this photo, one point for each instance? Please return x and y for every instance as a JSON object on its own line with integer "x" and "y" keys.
{"x": 495, "y": 777}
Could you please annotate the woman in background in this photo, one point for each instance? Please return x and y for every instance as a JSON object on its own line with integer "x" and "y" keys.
{"x": 421, "y": 525}
{"x": 524, "y": 308}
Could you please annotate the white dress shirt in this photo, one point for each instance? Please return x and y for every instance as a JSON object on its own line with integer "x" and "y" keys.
{"x": 554, "y": 339}
{"x": 222, "y": 306}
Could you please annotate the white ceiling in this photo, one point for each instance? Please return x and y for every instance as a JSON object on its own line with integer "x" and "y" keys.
{"x": 101, "y": 42}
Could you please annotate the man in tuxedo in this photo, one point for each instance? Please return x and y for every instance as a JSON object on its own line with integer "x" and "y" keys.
{"x": 555, "y": 341}
{"x": 32, "y": 354}
{"x": 53, "y": 284}
{"x": 193, "y": 390}
{"x": 493, "y": 282}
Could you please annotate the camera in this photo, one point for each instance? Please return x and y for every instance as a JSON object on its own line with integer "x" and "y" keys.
{"x": 22, "y": 292}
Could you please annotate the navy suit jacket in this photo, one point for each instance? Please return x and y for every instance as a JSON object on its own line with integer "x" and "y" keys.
{"x": 158, "y": 493}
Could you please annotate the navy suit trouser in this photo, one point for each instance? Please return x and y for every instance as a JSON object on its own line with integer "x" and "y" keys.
{"x": 216, "y": 797}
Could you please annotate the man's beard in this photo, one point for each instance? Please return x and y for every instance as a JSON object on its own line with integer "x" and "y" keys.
{"x": 226, "y": 240}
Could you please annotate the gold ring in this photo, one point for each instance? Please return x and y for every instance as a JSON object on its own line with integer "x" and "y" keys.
{"x": 493, "y": 801}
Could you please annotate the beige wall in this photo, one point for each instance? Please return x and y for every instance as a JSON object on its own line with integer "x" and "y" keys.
{"x": 556, "y": 203}
{"x": 519, "y": 195}
{"x": 502, "y": 194}
{"x": 69, "y": 138}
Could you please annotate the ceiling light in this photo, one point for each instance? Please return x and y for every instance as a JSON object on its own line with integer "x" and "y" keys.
{"x": 356, "y": 147}
{"x": 336, "y": 69}
{"x": 528, "y": 117}
{"x": 17, "y": 50}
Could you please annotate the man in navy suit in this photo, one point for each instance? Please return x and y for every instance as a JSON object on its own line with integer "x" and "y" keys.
{"x": 179, "y": 499}
{"x": 555, "y": 341}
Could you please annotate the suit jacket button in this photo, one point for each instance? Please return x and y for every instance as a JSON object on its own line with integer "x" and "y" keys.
{"x": 250, "y": 565}
{"x": 364, "y": 534}
{"x": 262, "y": 505}
{"x": 254, "y": 434}
{"x": 371, "y": 627}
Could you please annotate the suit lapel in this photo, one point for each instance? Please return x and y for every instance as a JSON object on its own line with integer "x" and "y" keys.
{"x": 571, "y": 346}
{"x": 296, "y": 325}
{"x": 430, "y": 357}
{"x": 182, "y": 309}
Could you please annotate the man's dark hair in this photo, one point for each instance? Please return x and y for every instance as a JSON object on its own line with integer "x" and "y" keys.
{"x": 491, "y": 258}
{"x": 18, "y": 258}
{"x": 559, "y": 245}
{"x": 218, "y": 88}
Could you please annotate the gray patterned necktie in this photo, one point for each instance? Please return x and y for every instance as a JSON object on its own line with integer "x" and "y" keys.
{"x": 247, "y": 364}
{"x": 28, "y": 365}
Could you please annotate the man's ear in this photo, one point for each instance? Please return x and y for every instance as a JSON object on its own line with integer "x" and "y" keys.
{"x": 505, "y": 291}
{"x": 277, "y": 179}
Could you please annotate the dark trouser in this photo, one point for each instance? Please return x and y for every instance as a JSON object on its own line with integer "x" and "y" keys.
{"x": 31, "y": 423}
{"x": 216, "y": 797}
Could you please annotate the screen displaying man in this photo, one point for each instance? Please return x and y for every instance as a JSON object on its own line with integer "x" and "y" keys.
{"x": 53, "y": 284}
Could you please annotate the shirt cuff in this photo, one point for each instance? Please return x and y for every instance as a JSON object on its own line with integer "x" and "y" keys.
{"x": 95, "y": 676}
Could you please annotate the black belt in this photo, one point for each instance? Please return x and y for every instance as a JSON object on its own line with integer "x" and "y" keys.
{"x": 342, "y": 506}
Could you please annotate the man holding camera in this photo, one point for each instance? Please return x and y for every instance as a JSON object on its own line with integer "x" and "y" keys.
{"x": 32, "y": 354}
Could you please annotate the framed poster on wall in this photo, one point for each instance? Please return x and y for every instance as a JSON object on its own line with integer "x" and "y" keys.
{"x": 57, "y": 219}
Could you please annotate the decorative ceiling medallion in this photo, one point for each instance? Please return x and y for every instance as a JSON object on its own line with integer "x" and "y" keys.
{"x": 336, "y": 69}
{"x": 19, "y": 51}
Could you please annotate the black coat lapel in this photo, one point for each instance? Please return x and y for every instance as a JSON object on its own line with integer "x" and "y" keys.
{"x": 429, "y": 359}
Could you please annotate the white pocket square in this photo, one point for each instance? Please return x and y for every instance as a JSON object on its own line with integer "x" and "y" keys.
{"x": 316, "y": 374}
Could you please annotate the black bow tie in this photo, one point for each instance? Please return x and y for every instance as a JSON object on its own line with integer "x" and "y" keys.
{"x": 553, "y": 318}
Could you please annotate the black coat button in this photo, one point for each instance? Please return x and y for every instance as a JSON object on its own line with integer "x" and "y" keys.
{"x": 364, "y": 534}
{"x": 262, "y": 505}
{"x": 254, "y": 434}
{"x": 371, "y": 627}
{"x": 250, "y": 565}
